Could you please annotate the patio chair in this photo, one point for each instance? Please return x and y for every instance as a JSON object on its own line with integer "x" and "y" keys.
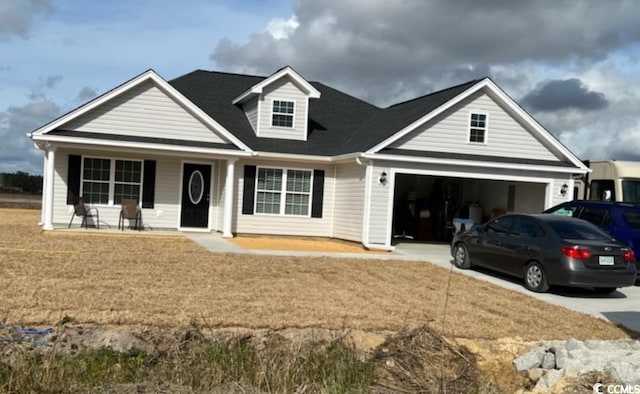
{"x": 130, "y": 211}
{"x": 80, "y": 209}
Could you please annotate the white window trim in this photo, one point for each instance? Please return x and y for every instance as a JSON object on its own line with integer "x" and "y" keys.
{"x": 283, "y": 192}
{"x": 293, "y": 115}
{"x": 112, "y": 178}
{"x": 486, "y": 128}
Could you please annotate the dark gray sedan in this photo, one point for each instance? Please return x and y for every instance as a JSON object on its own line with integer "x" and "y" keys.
{"x": 547, "y": 250}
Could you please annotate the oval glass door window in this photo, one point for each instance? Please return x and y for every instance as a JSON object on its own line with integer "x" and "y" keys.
{"x": 196, "y": 187}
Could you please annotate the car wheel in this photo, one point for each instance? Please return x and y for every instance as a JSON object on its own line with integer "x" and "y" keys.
{"x": 604, "y": 290}
{"x": 461, "y": 257}
{"x": 535, "y": 279}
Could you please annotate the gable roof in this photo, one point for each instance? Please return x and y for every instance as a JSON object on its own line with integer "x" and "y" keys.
{"x": 148, "y": 75}
{"x": 338, "y": 123}
{"x": 286, "y": 71}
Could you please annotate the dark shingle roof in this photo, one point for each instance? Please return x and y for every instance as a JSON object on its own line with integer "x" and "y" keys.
{"x": 148, "y": 140}
{"x": 338, "y": 123}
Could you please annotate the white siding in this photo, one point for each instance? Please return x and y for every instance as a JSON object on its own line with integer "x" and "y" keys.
{"x": 283, "y": 89}
{"x": 144, "y": 111}
{"x": 251, "y": 110}
{"x": 348, "y": 207}
{"x": 381, "y": 207}
{"x": 535, "y": 191}
{"x": 221, "y": 173}
{"x": 449, "y": 132}
{"x": 164, "y": 215}
{"x": 284, "y": 224}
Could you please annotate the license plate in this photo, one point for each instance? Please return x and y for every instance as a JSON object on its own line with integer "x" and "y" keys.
{"x": 606, "y": 260}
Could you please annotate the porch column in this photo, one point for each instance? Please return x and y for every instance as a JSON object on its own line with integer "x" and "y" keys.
{"x": 229, "y": 197}
{"x": 48, "y": 188}
{"x": 44, "y": 189}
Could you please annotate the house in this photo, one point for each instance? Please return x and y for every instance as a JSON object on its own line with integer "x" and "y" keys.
{"x": 212, "y": 151}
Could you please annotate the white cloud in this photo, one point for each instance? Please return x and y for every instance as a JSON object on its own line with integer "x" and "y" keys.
{"x": 282, "y": 28}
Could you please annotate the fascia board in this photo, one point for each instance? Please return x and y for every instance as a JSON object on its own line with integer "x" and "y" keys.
{"x": 472, "y": 163}
{"x": 411, "y": 127}
{"x": 75, "y": 141}
{"x": 489, "y": 84}
{"x": 287, "y": 71}
{"x": 163, "y": 85}
{"x": 135, "y": 81}
{"x": 540, "y": 130}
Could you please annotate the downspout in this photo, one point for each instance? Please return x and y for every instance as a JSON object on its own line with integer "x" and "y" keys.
{"x": 367, "y": 210}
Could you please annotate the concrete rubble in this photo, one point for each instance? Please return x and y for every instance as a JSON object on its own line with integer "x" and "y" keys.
{"x": 552, "y": 361}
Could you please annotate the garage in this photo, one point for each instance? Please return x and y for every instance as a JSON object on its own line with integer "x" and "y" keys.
{"x": 425, "y": 206}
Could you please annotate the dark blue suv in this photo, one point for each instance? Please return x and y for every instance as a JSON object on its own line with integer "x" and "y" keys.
{"x": 620, "y": 220}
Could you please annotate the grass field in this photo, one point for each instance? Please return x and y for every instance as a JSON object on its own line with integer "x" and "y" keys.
{"x": 138, "y": 280}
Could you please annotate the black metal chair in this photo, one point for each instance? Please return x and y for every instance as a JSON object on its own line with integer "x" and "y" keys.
{"x": 130, "y": 211}
{"x": 80, "y": 209}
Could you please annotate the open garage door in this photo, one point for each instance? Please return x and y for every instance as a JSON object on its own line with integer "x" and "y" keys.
{"x": 425, "y": 206}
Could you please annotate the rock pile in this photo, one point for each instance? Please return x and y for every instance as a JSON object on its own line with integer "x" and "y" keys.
{"x": 552, "y": 361}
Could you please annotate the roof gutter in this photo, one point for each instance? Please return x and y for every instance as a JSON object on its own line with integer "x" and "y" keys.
{"x": 305, "y": 158}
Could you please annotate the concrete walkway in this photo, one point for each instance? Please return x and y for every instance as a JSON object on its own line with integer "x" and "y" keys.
{"x": 623, "y": 306}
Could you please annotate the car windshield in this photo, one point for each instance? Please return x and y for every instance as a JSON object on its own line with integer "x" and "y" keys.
{"x": 578, "y": 230}
{"x": 631, "y": 190}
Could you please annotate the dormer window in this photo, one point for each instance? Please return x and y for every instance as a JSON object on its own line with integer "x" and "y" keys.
{"x": 478, "y": 128}
{"x": 282, "y": 115}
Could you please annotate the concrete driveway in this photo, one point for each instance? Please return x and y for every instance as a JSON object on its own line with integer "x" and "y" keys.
{"x": 623, "y": 306}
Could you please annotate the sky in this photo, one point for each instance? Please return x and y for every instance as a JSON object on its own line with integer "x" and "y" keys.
{"x": 573, "y": 65}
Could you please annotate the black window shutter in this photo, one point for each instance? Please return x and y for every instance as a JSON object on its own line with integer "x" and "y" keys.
{"x": 149, "y": 184}
{"x": 249, "y": 189}
{"x": 73, "y": 178}
{"x": 318, "y": 193}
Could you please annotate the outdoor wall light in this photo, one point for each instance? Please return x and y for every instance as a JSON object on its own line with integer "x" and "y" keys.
{"x": 563, "y": 190}
{"x": 383, "y": 178}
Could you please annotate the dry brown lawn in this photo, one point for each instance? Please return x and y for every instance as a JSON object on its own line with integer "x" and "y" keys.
{"x": 136, "y": 279}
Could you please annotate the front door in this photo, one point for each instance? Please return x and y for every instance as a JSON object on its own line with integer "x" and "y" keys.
{"x": 196, "y": 183}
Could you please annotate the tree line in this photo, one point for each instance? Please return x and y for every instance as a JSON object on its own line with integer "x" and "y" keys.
{"x": 21, "y": 181}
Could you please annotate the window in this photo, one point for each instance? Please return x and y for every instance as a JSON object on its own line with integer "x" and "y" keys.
{"x": 500, "y": 225}
{"x": 128, "y": 178}
{"x": 597, "y": 216}
{"x": 526, "y": 227}
{"x": 95, "y": 180}
{"x": 478, "y": 128}
{"x": 282, "y": 113}
{"x": 599, "y": 189}
{"x": 298, "y": 192}
{"x": 269, "y": 190}
{"x": 273, "y": 183}
{"x": 108, "y": 181}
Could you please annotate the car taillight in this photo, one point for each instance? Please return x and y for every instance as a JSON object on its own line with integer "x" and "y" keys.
{"x": 576, "y": 252}
{"x": 628, "y": 255}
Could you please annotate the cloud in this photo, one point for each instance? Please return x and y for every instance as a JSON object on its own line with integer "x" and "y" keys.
{"x": 44, "y": 84}
{"x": 371, "y": 48}
{"x": 17, "y": 17}
{"x": 86, "y": 94}
{"x": 282, "y": 28}
{"x": 17, "y": 152}
{"x": 560, "y": 95}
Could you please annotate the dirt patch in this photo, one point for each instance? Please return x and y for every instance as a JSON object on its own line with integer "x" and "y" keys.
{"x": 20, "y": 201}
{"x": 301, "y": 244}
{"x": 95, "y": 278}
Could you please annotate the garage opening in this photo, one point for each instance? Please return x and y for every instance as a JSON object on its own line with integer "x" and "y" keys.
{"x": 425, "y": 206}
